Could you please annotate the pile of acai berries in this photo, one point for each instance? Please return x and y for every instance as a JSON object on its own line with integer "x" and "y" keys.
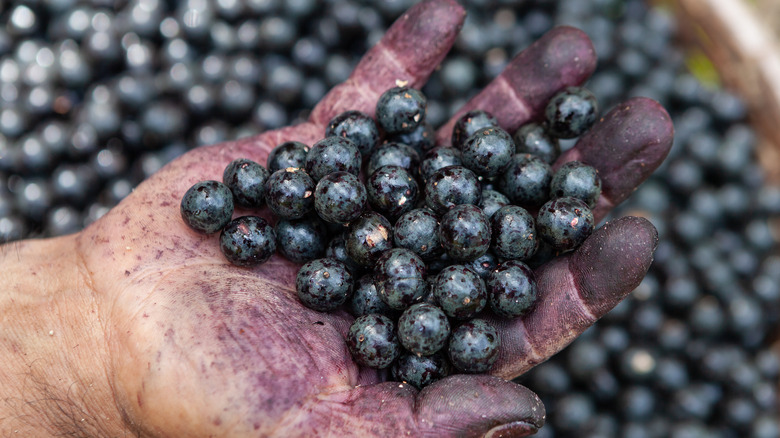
{"x": 420, "y": 249}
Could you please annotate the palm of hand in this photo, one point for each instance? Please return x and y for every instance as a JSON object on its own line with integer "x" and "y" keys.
{"x": 201, "y": 348}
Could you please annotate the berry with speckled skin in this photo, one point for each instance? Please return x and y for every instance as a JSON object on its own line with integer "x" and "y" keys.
{"x": 323, "y": 284}
{"x": 301, "y": 240}
{"x": 577, "y": 180}
{"x": 289, "y": 193}
{"x": 418, "y": 230}
{"x": 483, "y": 265}
{"x": 474, "y": 346}
{"x": 337, "y": 249}
{"x": 531, "y": 138}
{"x": 514, "y": 233}
{"x": 368, "y": 237}
{"x": 356, "y": 126}
{"x": 460, "y": 292}
{"x": 332, "y": 154}
{"x": 526, "y": 181}
{"x": 207, "y": 206}
{"x": 564, "y": 223}
{"x": 511, "y": 289}
{"x": 422, "y": 139}
{"x": 246, "y": 180}
{"x": 366, "y": 300}
{"x": 423, "y": 329}
{"x": 420, "y": 371}
{"x": 571, "y": 112}
{"x": 470, "y": 123}
{"x": 392, "y": 191}
{"x": 451, "y": 186}
{"x": 439, "y": 158}
{"x": 488, "y": 151}
{"x": 372, "y": 341}
{"x": 400, "y": 278}
{"x": 401, "y": 109}
{"x": 491, "y": 201}
{"x": 394, "y": 154}
{"x": 464, "y": 233}
{"x": 248, "y": 241}
{"x": 339, "y": 197}
{"x": 287, "y": 154}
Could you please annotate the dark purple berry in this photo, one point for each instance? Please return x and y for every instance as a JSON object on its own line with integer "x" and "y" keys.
{"x": 332, "y": 154}
{"x": 366, "y": 300}
{"x": 420, "y": 371}
{"x": 301, "y": 240}
{"x": 368, "y": 237}
{"x": 460, "y": 292}
{"x": 423, "y": 329}
{"x": 323, "y": 284}
{"x": 514, "y": 233}
{"x": 483, "y": 265}
{"x": 246, "y": 180}
{"x": 394, "y": 154}
{"x": 571, "y": 112}
{"x": 289, "y": 193}
{"x": 337, "y": 249}
{"x": 207, "y": 206}
{"x": 464, "y": 233}
{"x": 356, "y": 127}
{"x": 492, "y": 201}
{"x": 511, "y": 289}
{"x": 422, "y": 139}
{"x": 418, "y": 230}
{"x": 526, "y": 182}
{"x": 488, "y": 151}
{"x": 564, "y": 223}
{"x": 288, "y": 154}
{"x": 400, "y": 278}
{"x": 577, "y": 180}
{"x": 451, "y": 186}
{"x": 392, "y": 191}
{"x": 372, "y": 341}
{"x": 248, "y": 241}
{"x": 439, "y": 158}
{"x": 474, "y": 346}
{"x": 401, "y": 109}
{"x": 470, "y": 123}
{"x": 339, "y": 197}
{"x": 531, "y": 138}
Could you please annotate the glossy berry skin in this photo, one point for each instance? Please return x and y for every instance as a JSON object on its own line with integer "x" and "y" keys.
{"x": 526, "y": 181}
{"x": 400, "y": 278}
{"x": 531, "y": 138}
{"x": 470, "y": 123}
{"x": 339, "y": 197}
{"x": 207, "y": 206}
{"x": 460, "y": 292}
{"x": 248, "y": 241}
{"x": 488, "y": 151}
{"x": 372, "y": 341}
{"x": 332, "y": 154}
{"x": 420, "y": 371}
{"x": 423, "y": 329}
{"x": 368, "y": 237}
{"x": 511, "y": 289}
{"x": 418, "y": 230}
{"x": 422, "y": 139}
{"x": 401, "y": 109}
{"x": 287, "y": 154}
{"x": 394, "y": 154}
{"x": 357, "y": 127}
{"x": 246, "y": 180}
{"x": 474, "y": 346}
{"x": 439, "y": 158}
{"x": 451, "y": 186}
{"x": 571, "y": 112}
{"x": 514, "y": 233}
{"x": 491, "y": 201}
{"x": 365, "y": 298}
{"x": 577, "y": 180}
{"x": 483, "y": 265}
{"x": 464, "y": 233}
{"x": 337, "y": 249}
{"x": 301, "y": 240}
{"x": 289, "y": 193}
{"x": 564, "y": 223}
{"x": 323, "y": 284}
{"x": 392, "y": 191}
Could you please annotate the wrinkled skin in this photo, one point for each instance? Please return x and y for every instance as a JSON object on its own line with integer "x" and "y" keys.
{"x": 153, "y": 333}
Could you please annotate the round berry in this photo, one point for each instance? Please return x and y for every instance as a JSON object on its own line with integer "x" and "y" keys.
{"x": 464, "y": 233}
{"x": 511, "y": 289}
{"x": 526, "y": 181}
{"x": 420, "y": 371}
{"x": 394, "y": 154}
{"x": 483, "y": 265}
{"x": 564, "y": 223}
{"x": 392, "y": 191}
{"x": 301, "y": 240}
{"x": 439, "y": 158}
{"x": 323, "y": 284}
{"x": 460, "y": 292}
{"x": 514, "y": 233}
{"x": 470, "y": 123}
{"x": 400, "y": 278}
{"x": 207, "y": 206}
{"x": 451, "y": 186}
{"x": 247, "y": 241}
{"x": 422, "y": 139}
{"x": 289, "y": 193}
{"x": 356, "y": 127}
{"x": 339, "y": 197}
{"x": 246, "y": 180}
{"x": 368, "y": 237}
{"x": 577, "y": 180}
{"x": 488, "y": 151}
{"x": 332, "y": 154}
{"x": 423, "y": 329}
{"x": 337, "y": 249}
{"x": 492, "y": 201}
{"x": 531, "y": 138}
{"x": 288, "y": 154}
{"x": 401, "y": 109}
{"x": 474, "y": 346}
{"x": 571, "y": 112}
{"x": 372, "y": 341}
{"x": 418, "y": 230}
{"x": 366, "y": 300}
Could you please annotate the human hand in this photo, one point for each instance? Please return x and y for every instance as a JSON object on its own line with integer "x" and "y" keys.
{"x": 193, "y": 346}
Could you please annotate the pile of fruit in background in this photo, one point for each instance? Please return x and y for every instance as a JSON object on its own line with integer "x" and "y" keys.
{"x": 96, "y": 97}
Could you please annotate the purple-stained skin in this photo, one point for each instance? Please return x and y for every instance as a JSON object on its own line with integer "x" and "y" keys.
{"x": 201, "y": 348}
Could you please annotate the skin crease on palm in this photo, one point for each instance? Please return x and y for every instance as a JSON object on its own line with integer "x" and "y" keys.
{"x": 138, "y": 326}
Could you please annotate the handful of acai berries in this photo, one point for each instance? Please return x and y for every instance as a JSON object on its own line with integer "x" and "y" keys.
{"x": 432, "y": 244}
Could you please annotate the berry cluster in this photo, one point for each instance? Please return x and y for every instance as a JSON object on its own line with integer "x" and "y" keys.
{"x": 438, "y": 256}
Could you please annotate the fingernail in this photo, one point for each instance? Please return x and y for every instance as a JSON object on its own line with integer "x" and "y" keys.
{"x": 512, "y": 430}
